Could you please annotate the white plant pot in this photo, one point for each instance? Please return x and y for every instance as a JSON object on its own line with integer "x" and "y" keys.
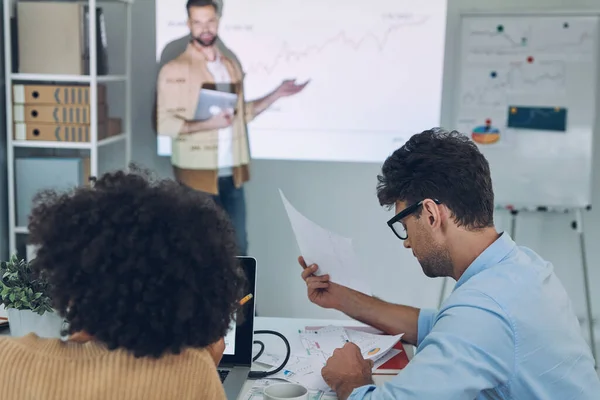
{"x": 24, "y": 322}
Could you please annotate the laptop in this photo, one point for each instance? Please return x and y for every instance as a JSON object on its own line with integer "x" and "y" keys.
{"x": 237, "y": 357}
{"x": 213, "y": 102}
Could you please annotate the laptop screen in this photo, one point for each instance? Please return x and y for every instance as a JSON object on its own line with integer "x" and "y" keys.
{"x": 230, "y": 340}
{"x": 238, "y": 341}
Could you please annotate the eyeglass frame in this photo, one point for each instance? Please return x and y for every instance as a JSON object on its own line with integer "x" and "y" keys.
{"x": 405, "y": 213}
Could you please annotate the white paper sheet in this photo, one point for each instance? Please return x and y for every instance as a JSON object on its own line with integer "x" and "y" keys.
{"x": 323, "y": 342}
{"x": 275, "y": 360}
{"x": 270, "y": 360}
{"x": 304, "y": 367}
{"x": 308, "y": 374}
{"x": 305, "y": 371}
{"x": 373, "y": 347}
{"x": 387, "y": 357}
{"x": 333, "y": 253}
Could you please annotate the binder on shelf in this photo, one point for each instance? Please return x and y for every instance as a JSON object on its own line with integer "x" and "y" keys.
{"x": 57, "y": 132}
{"x": 101, "y": 42}
{"x": 56, "y": 94}
{"x": 65, "y": 132}
{"x": 53, "y": 38}
{"x": 57, "y": 114}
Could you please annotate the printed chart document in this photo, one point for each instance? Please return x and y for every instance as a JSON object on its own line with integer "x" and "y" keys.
{"x": 373, "y": 347}
{"x": 305, "y": 364}
{"x": 323, "y": 342}
{"x": 334, "y": 254}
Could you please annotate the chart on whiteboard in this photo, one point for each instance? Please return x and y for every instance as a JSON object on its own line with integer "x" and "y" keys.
{"x": 556, "y": 36}
{"x": 519, "y": 62}
{"x": 527, "y": 93}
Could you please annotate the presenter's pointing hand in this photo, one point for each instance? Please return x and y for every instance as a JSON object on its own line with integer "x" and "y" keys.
{"x": 321, "y": 290}
{"x": 290, "y": 87}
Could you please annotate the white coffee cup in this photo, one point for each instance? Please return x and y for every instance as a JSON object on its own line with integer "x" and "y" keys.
{"x": 285, "y": 391}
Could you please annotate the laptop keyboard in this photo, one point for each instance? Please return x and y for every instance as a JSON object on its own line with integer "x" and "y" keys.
{"x": 223, "y": 374}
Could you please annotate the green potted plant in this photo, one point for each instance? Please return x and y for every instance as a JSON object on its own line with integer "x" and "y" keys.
{"x": 24, "y": 295}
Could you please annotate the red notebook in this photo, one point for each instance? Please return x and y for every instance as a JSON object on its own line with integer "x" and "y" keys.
{"x": 395, "y": 364}
{"x": 391, "y": 367}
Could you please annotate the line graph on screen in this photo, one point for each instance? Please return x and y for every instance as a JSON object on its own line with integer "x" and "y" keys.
{"x": 342, "y": 38}
{"x": 361, "y": 52}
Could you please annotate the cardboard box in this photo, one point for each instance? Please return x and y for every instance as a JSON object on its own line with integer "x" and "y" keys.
{"x": 57, "y": 132}
{"x": 53, "y": 38}
{"x": 56, "y": 94}
{"x": 57, "y": 114}
{"x": 115, "y": 127}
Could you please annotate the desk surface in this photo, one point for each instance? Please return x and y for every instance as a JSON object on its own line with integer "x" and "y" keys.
{"x": 289, "y": 327}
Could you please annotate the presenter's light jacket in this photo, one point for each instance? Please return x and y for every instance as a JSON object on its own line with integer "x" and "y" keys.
{"x": 195, "y": 156}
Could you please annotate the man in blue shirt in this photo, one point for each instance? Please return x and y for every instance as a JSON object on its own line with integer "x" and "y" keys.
{"x": 507, "y": 331}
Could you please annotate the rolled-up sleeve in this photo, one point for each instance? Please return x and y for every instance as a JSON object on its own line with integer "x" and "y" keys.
{"x": 466, "y": 349}
{"x": 168, "y": 121}
{"x": 250, "y": 112}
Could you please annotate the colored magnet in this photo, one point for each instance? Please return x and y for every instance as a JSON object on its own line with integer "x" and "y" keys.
{"x": 493, "y": 74}
{"x": 500, "y": 28}
{"x": 530, "y": 59}
{"x": 566, "y": 25}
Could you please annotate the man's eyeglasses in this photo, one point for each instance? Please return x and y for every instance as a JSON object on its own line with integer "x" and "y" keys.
{"x": 396, "y": 224}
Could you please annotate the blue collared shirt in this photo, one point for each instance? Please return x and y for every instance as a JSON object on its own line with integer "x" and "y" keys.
{"x": 507, "y": 331}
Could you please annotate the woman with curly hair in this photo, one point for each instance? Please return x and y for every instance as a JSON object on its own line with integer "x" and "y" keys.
{"x": 145, "y": 273}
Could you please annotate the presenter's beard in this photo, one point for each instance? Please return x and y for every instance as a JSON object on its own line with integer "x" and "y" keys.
{"x": 206, "y": 42}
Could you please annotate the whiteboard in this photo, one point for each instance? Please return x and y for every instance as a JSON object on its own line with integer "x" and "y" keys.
{"x": 526, "y": 94}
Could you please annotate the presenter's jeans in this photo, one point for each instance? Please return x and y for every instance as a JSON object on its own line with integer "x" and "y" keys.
{"x": 234, "y": 203}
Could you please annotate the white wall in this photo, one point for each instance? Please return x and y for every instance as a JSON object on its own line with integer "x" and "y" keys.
{"x": 341, "y": 197}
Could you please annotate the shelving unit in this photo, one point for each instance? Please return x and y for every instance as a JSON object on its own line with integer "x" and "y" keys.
{"x": 92, "y": 79}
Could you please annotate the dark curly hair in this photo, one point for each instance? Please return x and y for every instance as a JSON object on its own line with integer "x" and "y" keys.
{"x": 140, "y": 264}
{"x": 442, "y": 165}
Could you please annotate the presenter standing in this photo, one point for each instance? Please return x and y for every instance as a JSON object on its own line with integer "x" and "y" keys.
{"x": 210, "y": 155}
